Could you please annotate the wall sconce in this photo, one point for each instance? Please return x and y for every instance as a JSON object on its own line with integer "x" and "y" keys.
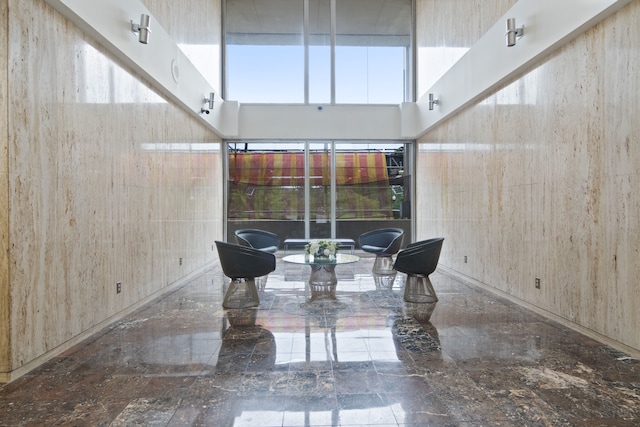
{"x": 143, "y": 29}
{"x": 210, "y": 99}
{"x": 209, "y": 102}
{"x": 513, "y": 33}
{"x": 432, "y": 101}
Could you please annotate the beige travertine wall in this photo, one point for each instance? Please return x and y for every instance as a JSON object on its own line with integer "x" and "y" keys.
{"x": 107, "y": 182}
{"x": 542, "y": 180}
{"x": 195, "y": 26}
{"x": 5, "y": 320}
{"x": 445, "y": 30}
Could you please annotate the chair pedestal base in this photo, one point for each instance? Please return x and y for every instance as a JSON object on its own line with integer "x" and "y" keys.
{"x": 418, "y": 289}
{"x": 383, "y": 273}
{"x": 383, "y": 266}
{"x": 420, "y": 297}
{"x": 242, "y": 293}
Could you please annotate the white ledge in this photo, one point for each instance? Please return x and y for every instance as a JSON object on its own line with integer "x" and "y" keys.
{"x": 160, "y": 61}
{"x": 489, "y": 64}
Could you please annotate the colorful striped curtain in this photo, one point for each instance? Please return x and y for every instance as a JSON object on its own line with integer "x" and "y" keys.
{"x": 271, "y": 185}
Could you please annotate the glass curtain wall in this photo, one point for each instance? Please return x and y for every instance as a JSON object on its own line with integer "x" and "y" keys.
{"x": 316, "y": 189}
{"x": 265, "y": 51}
{"x": 320, "y": 86}
{"x": 321, "y": 186}
{"x": 318, "y": 51}
{"x": 373, "y": 51}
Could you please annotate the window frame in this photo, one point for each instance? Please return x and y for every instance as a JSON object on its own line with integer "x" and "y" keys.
{"x": 408, "y": 83}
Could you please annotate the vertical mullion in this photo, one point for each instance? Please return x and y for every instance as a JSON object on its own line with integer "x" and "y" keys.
{"x": 332, "y": 190}
{"x": 410, "y": 84}
{"x": 333, "y": 51}
{"x": 307, "y": 191}
{"x": 305, "y": 30}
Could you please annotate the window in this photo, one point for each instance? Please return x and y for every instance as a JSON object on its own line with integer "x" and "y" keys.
{"x": 264, "y": 51}
{"x": 373, "y": 47}
{"x": 301, "y": 51}
{"x": 318, "y": 188}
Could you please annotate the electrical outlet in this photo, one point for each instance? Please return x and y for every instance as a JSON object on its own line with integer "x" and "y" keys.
{"x": 180, "y": 261}
{"x": 118, "y": 287}
{"x": 465, "y": 259}
{"x": 537, "y": 283}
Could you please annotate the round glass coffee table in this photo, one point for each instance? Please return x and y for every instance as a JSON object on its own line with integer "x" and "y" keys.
{"x": 322, "y": 280}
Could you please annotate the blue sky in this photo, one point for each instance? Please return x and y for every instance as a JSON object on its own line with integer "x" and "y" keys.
{"x": 275, "y": 74}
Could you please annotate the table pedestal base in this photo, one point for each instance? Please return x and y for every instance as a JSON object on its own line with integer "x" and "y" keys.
{"x": 323, "y": 281}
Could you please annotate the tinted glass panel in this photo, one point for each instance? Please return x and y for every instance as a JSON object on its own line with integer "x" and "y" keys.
{"x": 373, "y": 39}
{"x": 264, "y": 51}
{"x": 319, "y": 51}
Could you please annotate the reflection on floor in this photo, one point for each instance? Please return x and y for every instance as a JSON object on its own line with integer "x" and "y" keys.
{"x": 357, "y": 361}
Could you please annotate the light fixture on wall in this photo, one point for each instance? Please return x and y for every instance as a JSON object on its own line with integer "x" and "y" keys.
{"x": 143, "y": 30}
{"x": 209, "y": 103}
{"x": 210, "y": 99}
{"x": 432, "y": 101}
{"x": 513, "y": 33}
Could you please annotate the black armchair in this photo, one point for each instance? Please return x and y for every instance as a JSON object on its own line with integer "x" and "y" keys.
{"x": 384, "y": 243}
{"x": 258, "y": 239}
{"x": 418, "y": 261}
{"x": 242, "y": 265}
{"x": 420, "y": 258}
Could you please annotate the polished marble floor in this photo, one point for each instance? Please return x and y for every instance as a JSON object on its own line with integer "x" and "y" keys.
{"x": 357, "y": 361}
